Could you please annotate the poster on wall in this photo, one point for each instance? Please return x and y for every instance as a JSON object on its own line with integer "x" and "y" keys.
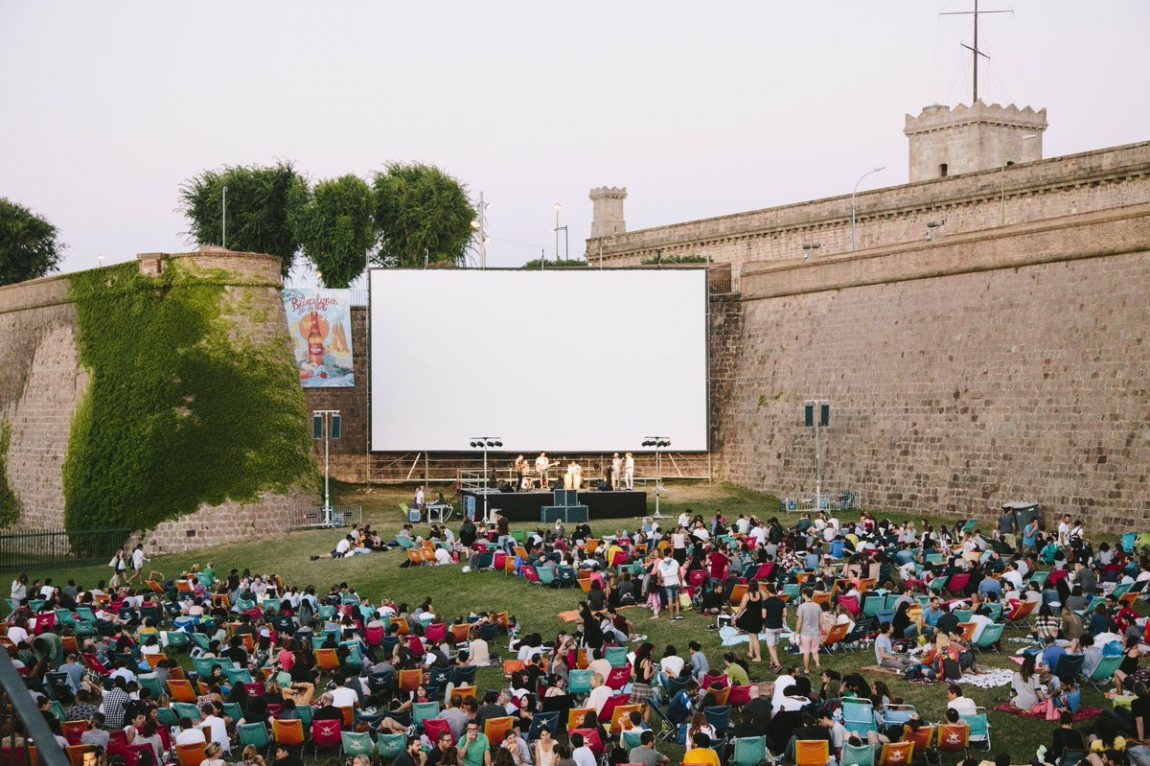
{"x": 319, "y": 322}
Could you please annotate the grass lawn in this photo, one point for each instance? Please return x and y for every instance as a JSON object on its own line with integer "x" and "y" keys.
{"x": 455, "y": 593}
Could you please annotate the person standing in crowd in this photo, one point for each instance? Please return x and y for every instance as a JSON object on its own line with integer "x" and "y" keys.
{"x": 807, "y": 618}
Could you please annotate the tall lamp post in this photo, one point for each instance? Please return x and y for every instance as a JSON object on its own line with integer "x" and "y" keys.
{"x": 485, "y": 443}
{"x": 854, "y": 191}
{"x": 659, "y": 443}
{"x": 566, "y": 241}
{"x": 326, "y": 425}
{"x": 816, "y": 415}
{"x": 480, "y": 226}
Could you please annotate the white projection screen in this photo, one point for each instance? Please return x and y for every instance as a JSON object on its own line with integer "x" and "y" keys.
{"x": 561, "y": 360}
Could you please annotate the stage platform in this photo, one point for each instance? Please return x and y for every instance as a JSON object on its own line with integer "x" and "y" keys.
{"x": 527, "y": 506}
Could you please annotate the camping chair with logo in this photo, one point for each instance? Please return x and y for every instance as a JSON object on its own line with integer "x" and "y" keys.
{"x": 835, "y": 636}
{"x": 353, "y": 743}
{"x": 858, "y": 716}
{"x": 896, "y": 754}
{"x": 326, "y": 734}
{"x": 953, "y": 738}
{"x": 591, "y": 739}
{"x": 1017, "y": 617}
{"x": 618, "y": 677}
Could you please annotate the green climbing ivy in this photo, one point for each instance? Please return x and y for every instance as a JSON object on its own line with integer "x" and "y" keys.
{"x": 9, "y": 509}
{"x": 178, "y": 412}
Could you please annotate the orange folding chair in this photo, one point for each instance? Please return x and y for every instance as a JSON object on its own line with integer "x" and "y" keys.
{"x": 409, "y": 680}
{"x": 193, "y": 754}
{"x": 576, "y": 715}
{"x": 181, "y": 691}
{"x": 896, "y": 754}
{"x": 495, "y": 729}
{"x": 285, "y": 732}
{"x": 812, "y": 752}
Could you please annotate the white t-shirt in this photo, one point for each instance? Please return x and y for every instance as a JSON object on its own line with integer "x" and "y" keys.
{"x": 583, "y": 756}
{"x": 598, "y": 697}
{"x": 669, "y": 571}
{"x": 964, "y": 706}
{"x": 190, "y": 737}
{"x": 343, "y": 696}
{"x": 672, "y": 665}
{"x": 343, "y": 546}
{"x": 218, "y": 732}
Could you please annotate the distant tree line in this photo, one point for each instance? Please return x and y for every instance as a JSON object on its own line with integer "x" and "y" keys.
{"x": 408, "y": 216}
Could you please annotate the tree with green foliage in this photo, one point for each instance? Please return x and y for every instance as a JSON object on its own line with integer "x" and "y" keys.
{"x": 335, "y": 225}
{"x": 28, "y": 246}
{"x": 260, "y": 206}
{"x": 422, "y": 214}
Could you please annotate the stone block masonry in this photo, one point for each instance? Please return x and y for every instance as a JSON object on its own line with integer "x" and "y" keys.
{"x": 42, "y": 382}
{"x": 996, "y": 366}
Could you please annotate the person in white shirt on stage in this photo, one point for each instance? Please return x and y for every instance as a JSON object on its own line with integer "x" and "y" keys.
{"x": 629, "y": 471}
{"x": 616, "y": 471}
{"x": 541, "y": 466}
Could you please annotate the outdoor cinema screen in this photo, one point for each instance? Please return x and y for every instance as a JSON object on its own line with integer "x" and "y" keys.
{"x": 562, "y": 360}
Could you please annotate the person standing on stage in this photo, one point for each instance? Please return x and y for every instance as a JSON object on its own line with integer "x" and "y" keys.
{"x": 541, "y": 466}
{"x": 520, "y": 473}
{"x": 616, "y": 471}
{"x": 629, "y": 472}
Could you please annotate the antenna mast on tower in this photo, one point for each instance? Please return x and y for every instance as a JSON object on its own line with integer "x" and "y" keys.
{"x": 974, "y": 51}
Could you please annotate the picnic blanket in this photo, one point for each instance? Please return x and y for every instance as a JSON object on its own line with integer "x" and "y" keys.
{"x": 881, "y": 669}
{"x": 1084, "y": 714}
{"x": 987, "y": 679}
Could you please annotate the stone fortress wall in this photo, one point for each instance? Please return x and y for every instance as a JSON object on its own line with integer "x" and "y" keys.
{"x": 42, "y": 382}
{"x": 1004, "y": 358}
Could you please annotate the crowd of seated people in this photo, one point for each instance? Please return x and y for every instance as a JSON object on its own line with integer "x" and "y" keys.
{"x": 279, "y": 666}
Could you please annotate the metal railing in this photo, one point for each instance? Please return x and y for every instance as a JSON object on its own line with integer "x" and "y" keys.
{"x": 313, "y": 518}
{"x": 23, "y": 548}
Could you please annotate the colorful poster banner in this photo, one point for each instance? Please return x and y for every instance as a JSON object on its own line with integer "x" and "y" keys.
{"x": 320, "y": 325}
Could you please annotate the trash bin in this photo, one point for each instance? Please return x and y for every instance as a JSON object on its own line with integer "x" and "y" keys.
{"x": 1023, "y": 513}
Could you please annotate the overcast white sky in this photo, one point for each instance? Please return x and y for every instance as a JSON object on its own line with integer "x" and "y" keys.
{"x": 699, "y": 110}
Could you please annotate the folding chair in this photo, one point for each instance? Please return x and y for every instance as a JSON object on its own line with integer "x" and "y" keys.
{"x": 749, "y": 751}
{"x": 353, "y": 743}
{"x": 434, "y": 728}
{"x": 546, "y": 720}
{"x": 254, "y": 734}
{"x": 391, "y": 745}
{"x": 953, "y": 738}
{"x": 495, "y": 729}
{"x": 287, "y": 732}
{"x": 191, "y": 755}
{"x": 979, "y": 727}
{"x": 326, "y": 734}
{"x": 858, "y": 755}
{"x": 896, "y": 754}
{"x": 812, "y": 752}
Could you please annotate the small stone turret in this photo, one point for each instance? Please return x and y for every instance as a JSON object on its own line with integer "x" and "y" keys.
{"x": 607, "y": 211}
{"x": 965, "y": 139}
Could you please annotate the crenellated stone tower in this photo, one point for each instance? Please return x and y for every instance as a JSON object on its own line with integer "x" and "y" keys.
{"x": 607, "y": 211}
{"x": 966, "y": 139}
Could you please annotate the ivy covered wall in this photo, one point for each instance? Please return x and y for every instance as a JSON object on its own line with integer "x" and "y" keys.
{"x": 189, "y": 403}
{"x": 9, "y": 507}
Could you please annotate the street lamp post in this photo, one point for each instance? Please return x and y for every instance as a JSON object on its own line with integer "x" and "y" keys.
{"x": 326, "y": 425}
{"x": 853, "y": 193}
{"x": 566, "y": 241}
{"x": 659, "y": 443}
{"x": 485, "y": 443}
{"x": 480, "y": 225}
